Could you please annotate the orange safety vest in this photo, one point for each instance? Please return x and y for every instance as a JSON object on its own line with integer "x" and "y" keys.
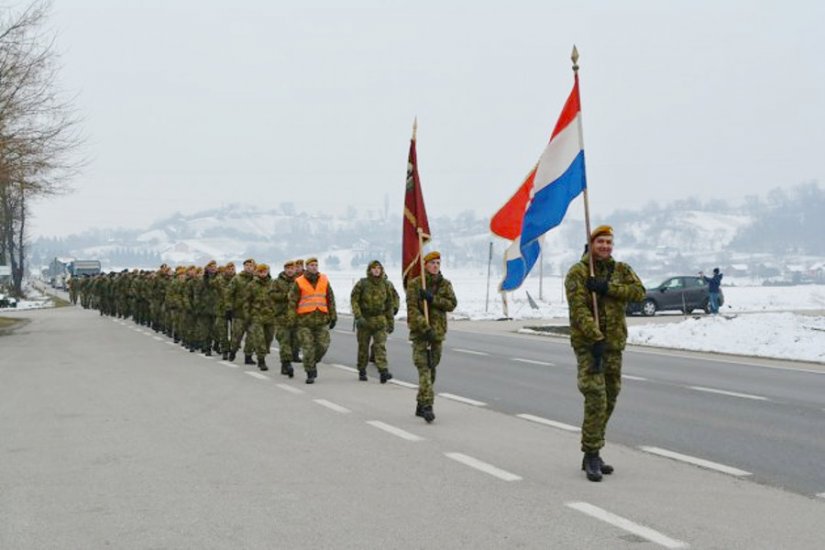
{"x": 312, "y": 298}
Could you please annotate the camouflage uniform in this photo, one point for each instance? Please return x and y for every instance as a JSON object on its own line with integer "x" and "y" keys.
{"x": 372, "y": 305}
{"x": 285, "y": 329}
{"x": 73, "y": 290}
{"x": 205, "y": 298}
{"x": 313, "y": 327}
{"x": 223, "y": 313}
{"x": 599, "y": 389}
{"x": 260, "y": 310}
{"x": 444, "y": 301}
{"x": 240, "y": 323}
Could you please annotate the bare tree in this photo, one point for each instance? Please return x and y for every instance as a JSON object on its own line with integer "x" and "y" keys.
{"x": 39, "y": 130}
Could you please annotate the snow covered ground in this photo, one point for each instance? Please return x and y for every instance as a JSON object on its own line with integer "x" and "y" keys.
{"x": 776, "y": 335}
{"x": 34, "y": 300}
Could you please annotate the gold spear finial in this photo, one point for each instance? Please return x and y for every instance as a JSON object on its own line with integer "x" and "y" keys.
{"x": 575, "y": 57}
{"x": 415, "y": 127}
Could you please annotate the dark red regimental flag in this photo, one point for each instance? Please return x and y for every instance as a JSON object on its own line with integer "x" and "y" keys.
{"x": 415, "y": 219}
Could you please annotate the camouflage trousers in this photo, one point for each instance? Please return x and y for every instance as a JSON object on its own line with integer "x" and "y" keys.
{"x": 223, "y": 335}
{"x": 314, "y": 344}
{"x": 379, "y": 347}
{"x": 286, "y": 336}
{"x": 205, "y": 331}
{"x": 260, "y": 336}
{"x": 240, "y": 326}
{"x": 426, "y": 375}
{"x": 600, "y": 392}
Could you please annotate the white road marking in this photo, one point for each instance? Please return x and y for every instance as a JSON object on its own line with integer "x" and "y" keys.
{"x": 343, "y": 367}
{"x": 257, "y": 375}
{"x": 289, "y": 388}
{"x": 470, "y": 351}
{"x": 158, "y": 338}
{"x": 821, "y": 495}
{"x": 404, "y": 384}
{"x": 534, "y": 362}
{"x": 462, "y": 399}
{"x": 546, "y": 422}
{"x": 483, "y": 466}
{"x": 729, "y": 393}
{"x": 630, "y": 377}
{"x": 622, "y": 523}
{"x": 394, "y": 431}
{"x": 342, "y": 331}
{"x": 701, "y": 462}
{"x": 275, "y": 349}
{"x": 170, "y": 343}
{"x": 228, "y": 364}
{"x": 330, "y": 405}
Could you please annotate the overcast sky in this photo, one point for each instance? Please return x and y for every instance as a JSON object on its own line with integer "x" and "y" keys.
{"x": 196, "y": 104}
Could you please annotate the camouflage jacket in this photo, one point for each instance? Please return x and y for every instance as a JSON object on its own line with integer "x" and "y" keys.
{"x": 444, "y": 301}
{"x": 623, "y": 286}
{"x": 222, "y": 283}
{"x": 206, "y": 295}
{"x": 372, "y": 300}
{"x": 174, "y": 294}
{"x": 260, "y": 300}
{"x": 316, "y": 318}
{"x": 237, "y": 292}
{"x": 281, "y": 285}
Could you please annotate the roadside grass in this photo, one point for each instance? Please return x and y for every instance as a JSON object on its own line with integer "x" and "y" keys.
{"x": 58, "y": 301}
{"x": 7, "y": 324}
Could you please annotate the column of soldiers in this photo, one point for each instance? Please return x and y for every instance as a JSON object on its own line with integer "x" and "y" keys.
{"x": 214, "y": 310}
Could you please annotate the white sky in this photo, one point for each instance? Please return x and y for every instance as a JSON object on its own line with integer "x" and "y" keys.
{"x": 194, "y": 104}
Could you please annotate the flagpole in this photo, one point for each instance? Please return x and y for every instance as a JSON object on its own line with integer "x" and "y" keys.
{"x": 423, "y": 277}
{"x": 421, "y": 245}
{"x": 574, "y": 56}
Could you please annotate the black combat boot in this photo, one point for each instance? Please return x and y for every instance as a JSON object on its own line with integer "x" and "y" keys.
{"x": 427, "y": 413}
{"x": 362, "y": 375}
{"x": 208, "y": 352}
{"x": 262, "y": 363}
{"x": 311, "y": 376}
{"x": 247, "y": 360}
{"x": 283, "y": 367}
{"x": 295, "y": 357}
{"x": 606, "y": 469}
{"x": 592, "y": 466}
{"x": 225, "y": 355}
{"x": 385, "y": 375}
{"x": 289, "y": 370}
{"x": 231, "y": 355}
{"x": 419, "y": 410}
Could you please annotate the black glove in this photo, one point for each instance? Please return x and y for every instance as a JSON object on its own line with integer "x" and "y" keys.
{"x": 598, "y": 355}
{"x": 229, "y": 315}
{"x": 359, "y": 322}
{"x": 332, "y": 324}
{"x": 429, "y": 335}
{"x": 390, "y": 327}
{"x": 599, "y": 286}
{"x": 425, "y": 294}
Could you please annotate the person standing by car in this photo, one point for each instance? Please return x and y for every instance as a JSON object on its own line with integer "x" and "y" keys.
{"x": 713, "y": 289}
{"x": 598, "y": 344}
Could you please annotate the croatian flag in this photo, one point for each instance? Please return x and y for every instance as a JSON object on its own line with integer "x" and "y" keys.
{"x": 541, "y": 201}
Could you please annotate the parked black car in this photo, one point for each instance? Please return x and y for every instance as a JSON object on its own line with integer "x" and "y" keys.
{"x": 683, "y": 293}
{"x": 7, "y": 301}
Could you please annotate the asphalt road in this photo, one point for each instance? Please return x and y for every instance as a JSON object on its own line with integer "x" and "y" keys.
{"x": 764, "y": 417}
{"x": 114, "y": 437}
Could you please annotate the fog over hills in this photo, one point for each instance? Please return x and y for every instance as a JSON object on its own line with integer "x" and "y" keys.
{"x": 776, "y": 237}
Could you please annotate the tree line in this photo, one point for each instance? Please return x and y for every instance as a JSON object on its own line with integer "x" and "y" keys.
{"x": 38, "y": 128}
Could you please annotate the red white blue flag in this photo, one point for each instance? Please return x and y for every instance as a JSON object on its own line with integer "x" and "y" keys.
{"x": 541, "y": 201}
